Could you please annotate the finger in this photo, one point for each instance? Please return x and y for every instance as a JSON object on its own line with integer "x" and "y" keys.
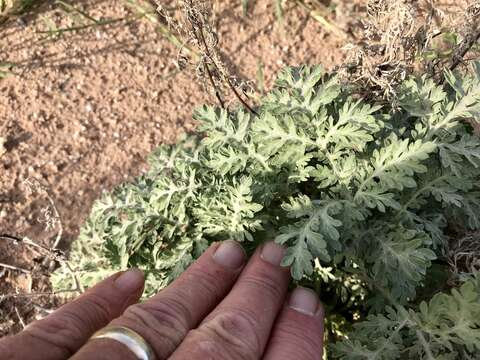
{"x": 62, "y": 333}
{"x": 240, "y": 325}
{"x": 298, "y": 332}
{"x": 164, "y": 320}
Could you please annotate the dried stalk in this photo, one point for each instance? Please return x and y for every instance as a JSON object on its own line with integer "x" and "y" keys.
{"x": 16, "y": 268}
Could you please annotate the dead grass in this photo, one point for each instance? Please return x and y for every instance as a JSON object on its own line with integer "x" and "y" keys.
{"x": 464, "y": 255}
{"x": 402, "y": 37}
{"x": 192, "y": 22}
{"x": 394, "y": 33}
{"x": 12, "y": 8}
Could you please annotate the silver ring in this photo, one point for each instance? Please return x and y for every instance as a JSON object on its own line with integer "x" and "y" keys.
{"x": 133, "y": 341}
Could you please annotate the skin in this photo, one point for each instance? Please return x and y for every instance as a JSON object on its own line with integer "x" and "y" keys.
{"x": 220, "y": 308}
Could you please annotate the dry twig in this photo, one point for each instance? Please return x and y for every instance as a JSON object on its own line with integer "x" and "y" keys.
{"x": 471, "y": 34}
{"x": 395, "y": 33}
{"x": 22, "y": 322}
{"x": 464, "y": 255}
{"x": 15, "y": 268}
{"x": 52, "y": 253}
{"x": 195, "y": 28}
{"x": 398, "y": 40}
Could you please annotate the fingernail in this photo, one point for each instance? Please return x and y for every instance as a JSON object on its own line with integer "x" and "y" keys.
{"x": 272, "y": 253}
{"x": 304, "y": 300}
{"x": 129, "y": 280}
{"x": 229, "y": 254}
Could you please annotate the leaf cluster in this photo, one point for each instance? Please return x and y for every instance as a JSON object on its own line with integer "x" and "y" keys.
{"x": 342, "y": 183}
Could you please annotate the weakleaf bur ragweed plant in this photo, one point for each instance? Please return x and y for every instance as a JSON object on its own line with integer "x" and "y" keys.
{"x": 363, "y": 196}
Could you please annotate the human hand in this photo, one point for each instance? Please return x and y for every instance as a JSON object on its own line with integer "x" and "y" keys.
{"x": 218, "y": 309}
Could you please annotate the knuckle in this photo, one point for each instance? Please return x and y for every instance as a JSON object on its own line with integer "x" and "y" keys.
{"x": 208, "y": 283}
{"x": 58, "y": 333}
{"x": 294, "y": 337}
{"x": 162, "y": 319}
{"x": 169, "y": 311}
{"x": 233, "y": 332}
{"x": 97, "y": 307}
{"x": 265, "y": 283}
{"x": 70, "y": 326}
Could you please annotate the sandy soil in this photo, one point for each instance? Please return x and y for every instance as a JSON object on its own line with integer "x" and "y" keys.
{"x": 81, "y": 111}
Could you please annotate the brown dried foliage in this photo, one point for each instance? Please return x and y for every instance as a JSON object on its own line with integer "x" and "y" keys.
{"x": 464, "y": 255}
{"x": 192, "y": 21}
{"x": 396, "y": 37}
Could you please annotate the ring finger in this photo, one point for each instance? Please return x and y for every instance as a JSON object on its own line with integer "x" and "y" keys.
{"x": 240, "y": 325}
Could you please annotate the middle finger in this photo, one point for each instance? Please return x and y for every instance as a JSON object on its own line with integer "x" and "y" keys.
{"x": 240, "y": 325}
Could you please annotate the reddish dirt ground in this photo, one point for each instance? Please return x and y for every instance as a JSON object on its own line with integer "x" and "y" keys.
{"x": 81, "y": 112}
